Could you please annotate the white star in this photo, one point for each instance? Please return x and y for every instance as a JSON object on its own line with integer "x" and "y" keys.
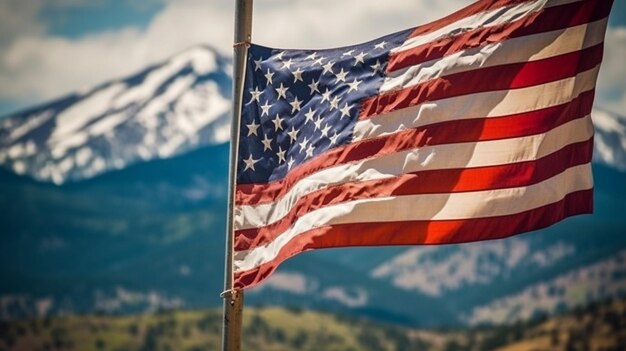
{"x": 265, "y": 109}
{"x": 359, "y": 58}
{"x": 280, "y": 55}
{"x": 250, "y": 163}
{"x": 309, "y": 115}
{"x": 290, "y": 163}
{"x": 325, "y": 130}
{"x": 376, "y": 67}
{"x": 309, "y": 151}
{"x": 278, "y": 123}
{"x": 252, "y": 128}
{"x": 295, "y": 104}
{"x": 328, "y": 67}
{"x": 281, "y": 155}
{"x": 303, "y": 144}
{"x": 281, "y": 91}
{"x": 255, "y": 94}
{"x": 287, "y": 64}
{"x": 313, "y": 56}
{"x": 293, "y": 134}
{"x": 318, "y": 123}
{"x": 269, "y": 76}
{"x": 318, "y": 61}
{"x": 313, "y": 86}
{"x": 380, "y": 45}
{"x": 348, "y": 53}
{"x": 334, "y": 103}
{"x": 345, "y": 111}
{"x": 354, "y": 85}
{"x": 326, "y": 95}
{"x": 267, "y": 143}
{"x": 257, "y": 64}
{"x": 341, "y": 76}
{"x": 333, "y": 139}
{"x": 297, "y": 75}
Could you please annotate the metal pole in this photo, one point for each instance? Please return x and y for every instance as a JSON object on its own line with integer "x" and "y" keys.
{"x": 233, "y": 300}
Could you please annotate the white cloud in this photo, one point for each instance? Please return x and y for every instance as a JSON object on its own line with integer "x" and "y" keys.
{"x": 612, "y": 79}
{"x": 35, "y": 66}
{"x": 330, "y": 23}
{"x": 16, "y": 19}
{"x": 42, "y": 66}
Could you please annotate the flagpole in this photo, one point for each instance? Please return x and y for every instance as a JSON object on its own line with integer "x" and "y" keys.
{"x": 233, "y": 299}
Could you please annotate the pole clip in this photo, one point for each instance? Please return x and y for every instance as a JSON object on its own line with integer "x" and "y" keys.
{"x": 242, "y": 43}
{"x": 230, "y": 293}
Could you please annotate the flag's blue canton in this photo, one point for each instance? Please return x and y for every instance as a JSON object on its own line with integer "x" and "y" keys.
{"x": 300, "y": 103}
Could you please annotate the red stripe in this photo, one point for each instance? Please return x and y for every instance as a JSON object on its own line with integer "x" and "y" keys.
{"x": 445, "y": 132}
{"x": 477, "y": 7}
{"x": 424, "y": 182}
{"x": 550, "y": 19}
{"x": 509, "y": 76}
{"x": 422, "y": 232}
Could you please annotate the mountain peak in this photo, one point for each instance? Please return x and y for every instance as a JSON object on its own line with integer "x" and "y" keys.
{"x": 165, "y": 110}
{"x": 202, "y": 58}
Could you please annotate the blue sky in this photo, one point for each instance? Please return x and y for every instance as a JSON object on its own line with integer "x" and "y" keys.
{"x": 49, "y": 48}
{"x": 76, "y": 21}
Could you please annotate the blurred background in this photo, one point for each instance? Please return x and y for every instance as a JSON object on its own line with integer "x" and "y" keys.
{"x": 113, "y": 152}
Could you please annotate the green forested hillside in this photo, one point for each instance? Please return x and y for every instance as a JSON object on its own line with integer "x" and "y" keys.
{"x": 598, "y": 327}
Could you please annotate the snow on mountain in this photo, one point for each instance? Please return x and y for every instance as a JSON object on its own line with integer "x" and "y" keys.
{"x": 166, "y": 110}
{"x": 435, "y": 270}
{"x": 300, "y": 284}
{"x": 610, "y": 138}
{"x": 579, "y": 287}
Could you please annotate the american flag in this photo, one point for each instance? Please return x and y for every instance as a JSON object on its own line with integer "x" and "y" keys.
{"x": 473, "y": 127}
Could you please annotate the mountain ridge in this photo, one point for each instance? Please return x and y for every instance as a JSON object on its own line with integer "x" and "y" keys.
{"x": 82, "y": 246}
{"x": 164, "y": 110}
{"x": 597, "y": 327}
{"x": 167, "y": 109}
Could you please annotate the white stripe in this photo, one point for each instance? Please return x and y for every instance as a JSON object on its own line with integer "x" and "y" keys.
{"x": 516, "y": 50}
{"x": 483, "y": 19}
{"x": 478, "y": 105}
{"x": 454, "y": 206}
{"x": 446, "y": 156}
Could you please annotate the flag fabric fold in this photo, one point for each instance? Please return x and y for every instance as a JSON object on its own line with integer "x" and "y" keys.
{"x": 473, "y": 127}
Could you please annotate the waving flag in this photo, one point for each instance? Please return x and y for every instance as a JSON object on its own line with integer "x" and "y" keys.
{"x": 472, "y": 127}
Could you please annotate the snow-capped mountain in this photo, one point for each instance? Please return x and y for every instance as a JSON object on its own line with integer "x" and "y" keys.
{"x": 596, "y": 282}
{"x": 436, "y": 270}
{"x": 165, "y": 110}
{"x": 610, "y": 138}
